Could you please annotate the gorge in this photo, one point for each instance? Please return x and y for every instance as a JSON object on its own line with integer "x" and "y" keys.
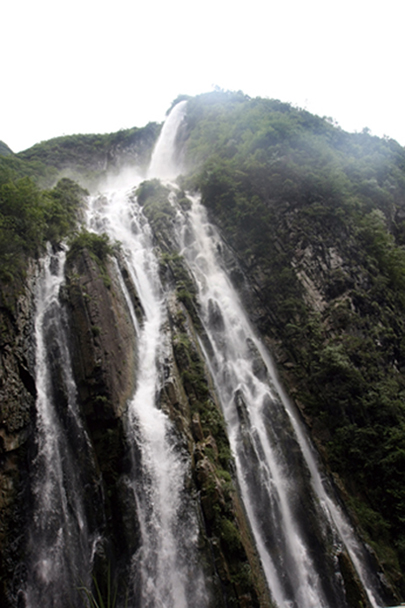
{"x": 149, "y": 451}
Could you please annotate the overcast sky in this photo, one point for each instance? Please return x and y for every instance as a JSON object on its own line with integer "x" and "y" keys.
{"x": 88, "y": 66}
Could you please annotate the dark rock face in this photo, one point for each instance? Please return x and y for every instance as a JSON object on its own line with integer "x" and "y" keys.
{"x": 134, "y": 149}
{"x": 103, "y": 339}
{"x": 17, "y": 415}
{"x": 328, "y": 274}
{"x": 230, "y": 560}
{"x": 103, "y": 355}
{"x": 103, "y": 352}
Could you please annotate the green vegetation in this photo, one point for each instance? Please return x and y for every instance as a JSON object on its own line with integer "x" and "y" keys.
{"x": 229, "y": 541}
{"x": 97, "y": 245}
{"x": 153, "y": 196}
{"x": 103, "y": 596}
{"x": 12, "y": 168}
{"x": 84, "y": 158}
{"x": 315, "y": 216}
{"x": 4, "y": 149}
{"x": 213, "y": 472}
{"x": 89, "y": 156}
{"x": 99, "y": 248}
{"x": 174, "y": 265}
{"x": 29, "y": 217}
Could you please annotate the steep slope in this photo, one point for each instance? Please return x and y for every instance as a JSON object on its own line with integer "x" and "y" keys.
{"x": 4, "y": 149}
{"x": 315, "y": 217}
{"x": 17, "y": 402}
{"x": 88, "y": 158}
{"x": 28, "y": 218}
{"x": 85, "y": 158}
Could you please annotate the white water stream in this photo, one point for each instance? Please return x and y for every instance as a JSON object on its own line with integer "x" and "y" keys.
{"x": 272, "y": 455}
{"x": 164, "y": 164}
{"x": 60, "y": 543}
{"x": 282, "y": 488}
{"x": 165, "y": 570}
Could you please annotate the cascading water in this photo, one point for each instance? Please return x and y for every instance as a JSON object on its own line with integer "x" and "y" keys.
{"x": 294, "y": 519}
{"x": 164, "y": 163}
{"x": 164, "y": 569}
{"x": 61, "y": 546}
{"x": 282, "y": 490}
{"x": 300, "y": 533}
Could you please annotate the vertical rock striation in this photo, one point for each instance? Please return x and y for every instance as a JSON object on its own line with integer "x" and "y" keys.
{"x": 17, "y": 417}
{"x": 104, "y": 360}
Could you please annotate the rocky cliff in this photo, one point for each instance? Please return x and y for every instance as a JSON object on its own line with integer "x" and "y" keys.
{"x": 104, "y": 365}
{"x": 17, "y": 422}
{"x": 105, "y": 368}
{"x": 337, "y": 343}
{"x": 314, "y": 217}
{"x": 104, "y": 359}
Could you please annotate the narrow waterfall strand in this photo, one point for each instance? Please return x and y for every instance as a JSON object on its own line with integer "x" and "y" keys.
{"x": 61, "y": 548}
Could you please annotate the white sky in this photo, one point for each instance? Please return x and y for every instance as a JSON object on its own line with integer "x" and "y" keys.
{"x": 91, "y": 66}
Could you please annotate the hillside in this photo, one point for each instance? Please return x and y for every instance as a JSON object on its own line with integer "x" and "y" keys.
{"x": 4, "y": 149}
{"x": 86, "y": 158}
{"x": 315, "y": 217}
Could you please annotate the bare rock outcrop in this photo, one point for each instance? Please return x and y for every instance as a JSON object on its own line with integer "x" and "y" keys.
{"x": 17, "y": 417}
{"x": 103, "y": 354}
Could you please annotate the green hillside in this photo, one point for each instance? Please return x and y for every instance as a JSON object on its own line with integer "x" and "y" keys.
{"x": 316, "y": 218}
{"x": 4, "y": 149}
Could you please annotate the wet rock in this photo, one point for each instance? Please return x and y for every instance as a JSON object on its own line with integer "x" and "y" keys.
{"x": 17, "y": 417}
{"x": 215, "y": 318}
{"x": 258, "y": 365}
{"x": 104, "y": 364}
{"x": 355, "y": 594}
{"x": 103, "y": 339}
{"x": 196, "y": 428}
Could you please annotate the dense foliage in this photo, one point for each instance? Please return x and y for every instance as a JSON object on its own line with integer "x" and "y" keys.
{"x": 4, "y": 149}
{"x": 13, "y": 167}
{"x": 90, "y": 156}
{"x": 33, "y": 210}
{"x": 316, "y": 216}
{"x": 30, "y": 217}
{"x": 98, "y": 246}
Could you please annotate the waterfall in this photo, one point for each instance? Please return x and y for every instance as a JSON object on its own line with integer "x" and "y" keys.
{"x": 164, "y": 164}
{"x": 300, "y": 531}
{"x": 164, "y": 569}
{"x": 61, "y": 545}
{"x": 283, "y": 492}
